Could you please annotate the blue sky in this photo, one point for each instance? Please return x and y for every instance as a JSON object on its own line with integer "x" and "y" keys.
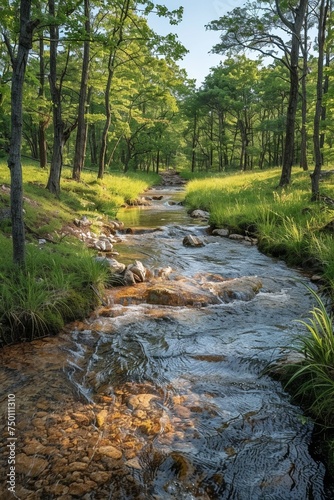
{"x": 192, "y": 33}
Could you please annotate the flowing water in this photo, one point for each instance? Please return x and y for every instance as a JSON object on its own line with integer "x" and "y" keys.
{"x": 147, "y": 401}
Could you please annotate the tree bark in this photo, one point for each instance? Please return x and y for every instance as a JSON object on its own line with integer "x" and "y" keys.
{"x": 53, "y": 184}
{"x": 19, "y": 64}
{"x": 303, "y": 142}
{"x": 288, "y": 154}
{"x": 315, "y": 176}
{"x": 42, "y": 147}
{"x": 81, "y": 139}
{"x": 118, "y": 39}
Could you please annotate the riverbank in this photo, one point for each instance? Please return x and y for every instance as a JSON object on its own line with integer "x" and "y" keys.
{"x": 61, "y": 280}
{"x": 286, "y": 223}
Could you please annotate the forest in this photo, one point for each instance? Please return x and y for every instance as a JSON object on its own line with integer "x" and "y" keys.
{"x": 101, "y": 90}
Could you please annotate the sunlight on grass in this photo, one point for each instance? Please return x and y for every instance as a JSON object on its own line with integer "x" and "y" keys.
{"x": 286, "y": 223}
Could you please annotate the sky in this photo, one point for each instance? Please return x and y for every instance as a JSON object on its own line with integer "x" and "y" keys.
{"x": 192, "y": 33}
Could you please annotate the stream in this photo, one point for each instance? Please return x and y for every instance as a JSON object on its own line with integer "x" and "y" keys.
{"x": 158, "y": 401}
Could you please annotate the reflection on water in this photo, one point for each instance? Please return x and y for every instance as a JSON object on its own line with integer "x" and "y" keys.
{"x": 181, "y": 406}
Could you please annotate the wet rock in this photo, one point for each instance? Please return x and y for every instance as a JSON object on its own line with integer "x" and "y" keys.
{"x": 244, "y": 288}
{"x": 221, "y": 232}
{"x": 160, "y": 197}
{"x": 101, "y": 417}
{"x": 134, "y": 463}
{"x": 200, "y": 214}
{"x": 192, "y": 241}
{"x": 163, "y": 272}
{"x": 129, "y": 278}
{"x": 179, "y": 294}
{"x": 236, "y": 237}
{"x": 80, "y": 489}
{"x": 138, "y": 271}
{"x": 30, "y": 466}
{"x": 35, "y": 447}
{"x": 140, "y": 401}
{"x": 110, "y": 451}
{"x": 100, "y": 477}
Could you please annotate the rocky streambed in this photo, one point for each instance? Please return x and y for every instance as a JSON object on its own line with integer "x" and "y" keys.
{"x": 162, "y": 392}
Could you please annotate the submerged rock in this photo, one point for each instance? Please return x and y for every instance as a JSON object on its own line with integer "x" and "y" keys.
{"x": 192, "y": 241}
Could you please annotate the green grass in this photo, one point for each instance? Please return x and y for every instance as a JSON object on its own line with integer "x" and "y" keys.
{"x": 286, "y": 222}
{"x": 56, "y": 286}
{"x": 313, "y": 378}
{"x": 61, "y": 280}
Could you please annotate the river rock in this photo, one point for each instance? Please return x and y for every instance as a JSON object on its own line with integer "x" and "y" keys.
{"x": 101, "y": 417}
{"x": 134, "y": 463}
{"x": 244, "y": 288}
{"x": 80, "y": 489}
{"x": 138, "y": 270}
{"x": 110, "y": 451}
{"x": 221, "y": 232}
{"x": 200, "y": 214}
{"x": 103, "y": 244}
{"x": 116, "y": 266}
{"x": 236, "y": 237}
{"x": 192, "y": 241}
{"x": 77, "y": 466}
{"x": 129, "y": 278}
{"x": 30, "y": 466}
{"x": 179, "y": 294}
{"x": 140, "y": 401}
{"x": 163, "y": 272}
{"x": 83, "y": 222}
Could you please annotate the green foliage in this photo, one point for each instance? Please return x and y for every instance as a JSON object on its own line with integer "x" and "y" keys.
{"x": 56, "y": 286}
{"x": 313, "y": 378}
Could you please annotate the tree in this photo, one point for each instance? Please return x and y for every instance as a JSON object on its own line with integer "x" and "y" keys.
{"x": 61, "y": 132}
{"x": 262, "y": 27}
{"x": 81, "y": 139}
{"x": 19, "y": 64}
{"x": 322, "y": 22}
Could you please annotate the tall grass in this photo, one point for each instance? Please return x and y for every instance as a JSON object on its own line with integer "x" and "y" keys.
{"x": 287, "y": 224}
{"x": 313, "y": 378}
{"x": 57, "y": 285}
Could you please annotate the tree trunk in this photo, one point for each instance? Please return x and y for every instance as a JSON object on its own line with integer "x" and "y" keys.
{"x": 42, "y": 147}
{"x": 315, "y": 176}
{"x": 118, "y": 39}
{"x": 53, "y": 184}
{"x": 19, "y": 64}
{"x": 303, "y": 143}
{"x": 288, "y": 154}
{"x": 81, "y": 139}
{"x": 104, "y": 140}
{"x": 194, "y": 143}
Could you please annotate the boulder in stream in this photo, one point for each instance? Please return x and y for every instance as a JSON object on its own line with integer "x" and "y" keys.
{"x": 192, "y": 241}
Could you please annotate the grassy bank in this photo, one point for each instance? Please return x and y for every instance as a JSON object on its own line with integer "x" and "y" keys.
{"x": 286, "y": 222}
{"x": 61, "y": 281}
{"x": 288, "y": 225}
